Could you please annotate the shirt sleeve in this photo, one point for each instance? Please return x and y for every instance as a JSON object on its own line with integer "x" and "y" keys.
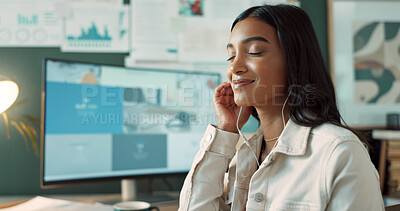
{"x": 352, "y": 182}
{"x": 204, "y": 185}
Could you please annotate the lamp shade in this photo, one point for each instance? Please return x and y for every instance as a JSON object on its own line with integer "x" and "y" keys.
{"x": 8, "y": 94}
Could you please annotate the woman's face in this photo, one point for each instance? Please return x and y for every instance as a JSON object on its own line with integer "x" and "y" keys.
{"x": 256, "y": 68}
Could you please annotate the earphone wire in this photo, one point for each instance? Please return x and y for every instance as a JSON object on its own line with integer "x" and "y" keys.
{"x": 283, "y": 118}
{"x": 244, "y": 138}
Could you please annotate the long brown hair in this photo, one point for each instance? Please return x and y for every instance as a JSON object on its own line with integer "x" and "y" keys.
{"x": 312, "y": 100}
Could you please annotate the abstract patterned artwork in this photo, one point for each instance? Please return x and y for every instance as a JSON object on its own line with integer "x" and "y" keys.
{"x": 376, "y": 62}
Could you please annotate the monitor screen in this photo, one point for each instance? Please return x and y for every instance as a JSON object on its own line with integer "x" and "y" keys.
{"x": 104, "y": 121}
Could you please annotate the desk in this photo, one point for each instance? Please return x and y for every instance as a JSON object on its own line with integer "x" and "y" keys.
{"x": 6, "y": 201}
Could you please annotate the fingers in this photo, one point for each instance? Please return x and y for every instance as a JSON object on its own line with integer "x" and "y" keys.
{"x": 223, "y": 89}
{"x": 227, "y": 90}
{"x": 220, "y": 87}
{"x": 225, "y": 100}
{"x": 224, "y": 94}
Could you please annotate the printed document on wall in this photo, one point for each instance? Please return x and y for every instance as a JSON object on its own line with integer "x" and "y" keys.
{"x": 275, "y": 2}
{"x": 29, "y": 24}
{"x": 204, "y": 42}
{"x": 152, "y": 36}
{"x": 96, "y": 29}
{"x": 62, "y": 8}
{"x": 96, "y": 2}
{"x": 206, "y": 29}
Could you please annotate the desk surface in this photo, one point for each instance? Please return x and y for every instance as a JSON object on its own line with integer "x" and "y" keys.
{"x": 6, "y": 201}
{"x": 386, "y": 134}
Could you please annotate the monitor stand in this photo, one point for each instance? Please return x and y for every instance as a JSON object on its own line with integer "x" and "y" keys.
{"x": 129, "y": 193}
{"x": 128, "y": 190}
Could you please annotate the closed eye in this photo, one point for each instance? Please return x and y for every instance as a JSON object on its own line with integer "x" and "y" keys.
{"x": 230, "y": 58}
{"x": 255, "y": 54}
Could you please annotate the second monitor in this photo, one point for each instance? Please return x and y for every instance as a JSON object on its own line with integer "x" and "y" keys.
{"x": 110, "y": 122}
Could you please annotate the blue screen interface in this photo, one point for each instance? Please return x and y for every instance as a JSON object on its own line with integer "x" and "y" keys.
{"x": 109, "y": 121}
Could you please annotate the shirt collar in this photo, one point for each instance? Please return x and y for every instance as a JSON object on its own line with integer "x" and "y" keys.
{"x": 293, "y": 140}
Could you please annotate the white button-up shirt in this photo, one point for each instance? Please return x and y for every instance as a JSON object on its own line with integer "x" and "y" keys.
{"x": 321, "y": 168}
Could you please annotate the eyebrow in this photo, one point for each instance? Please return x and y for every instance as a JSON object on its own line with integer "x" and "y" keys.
{"x": 249, "y": 39}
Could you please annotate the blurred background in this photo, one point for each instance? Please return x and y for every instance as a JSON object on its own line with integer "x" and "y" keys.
{"x": 172, "y": 34}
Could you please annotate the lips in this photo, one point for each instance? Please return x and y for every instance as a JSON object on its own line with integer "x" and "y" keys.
{"x": 241, "y": 83}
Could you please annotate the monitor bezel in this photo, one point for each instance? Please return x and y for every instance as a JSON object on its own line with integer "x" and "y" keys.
{"x": 62, "y": 183}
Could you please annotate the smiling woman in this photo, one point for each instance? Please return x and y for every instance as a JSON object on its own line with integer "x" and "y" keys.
{"x": 255, "y": 55}
{"x": 302, "y": 157}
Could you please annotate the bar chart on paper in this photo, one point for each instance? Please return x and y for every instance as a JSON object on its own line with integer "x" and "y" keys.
{"x": 103, "y": 29}
{"x": 28, "y": 24}
{"x": 91, "y": 37}
{"x": 26, "y": 20}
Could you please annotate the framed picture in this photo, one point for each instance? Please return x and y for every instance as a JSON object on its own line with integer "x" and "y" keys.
{"x": 364, "y": 43}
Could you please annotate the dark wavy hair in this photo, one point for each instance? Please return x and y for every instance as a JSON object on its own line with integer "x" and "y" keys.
{"x": 312, "y": 100}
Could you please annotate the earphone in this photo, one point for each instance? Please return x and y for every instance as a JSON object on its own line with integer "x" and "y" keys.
{"x": 244, "y": 138}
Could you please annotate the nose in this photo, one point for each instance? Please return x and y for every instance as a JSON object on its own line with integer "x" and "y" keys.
{"x": 237, "y": 67}
{"x": 237, "y": 71}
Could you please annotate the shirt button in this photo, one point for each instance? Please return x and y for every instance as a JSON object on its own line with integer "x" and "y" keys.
{"x": 208, "y": 137}
{"x": 258, "y": 197}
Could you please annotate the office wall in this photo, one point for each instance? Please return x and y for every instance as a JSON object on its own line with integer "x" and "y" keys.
{"x": 20, "y": 169}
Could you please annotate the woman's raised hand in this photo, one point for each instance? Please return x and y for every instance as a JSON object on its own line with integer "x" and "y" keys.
{"x": 226, "y": 109}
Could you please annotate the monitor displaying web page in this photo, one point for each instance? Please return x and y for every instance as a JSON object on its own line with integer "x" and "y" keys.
{"x": 104, "y": 121}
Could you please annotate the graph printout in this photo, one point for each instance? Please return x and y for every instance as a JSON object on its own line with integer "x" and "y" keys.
{"x": 99, "y": 29}
{"x": 29, "y": 24}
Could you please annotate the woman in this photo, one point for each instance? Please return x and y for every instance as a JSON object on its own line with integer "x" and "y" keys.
{"x": 307, "y": 159}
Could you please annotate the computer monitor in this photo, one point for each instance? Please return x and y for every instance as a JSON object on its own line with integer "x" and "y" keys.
{"x": 110, "y": 122}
